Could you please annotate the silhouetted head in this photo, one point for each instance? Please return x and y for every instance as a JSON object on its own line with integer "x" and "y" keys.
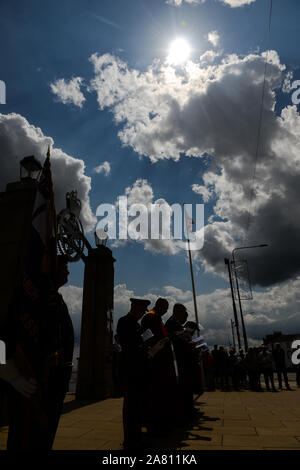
{"x": 62, "y": 271}
{"x": 180, "y": 313}
{"x": 139, "y": 307}
{"x": 161, "y": 306}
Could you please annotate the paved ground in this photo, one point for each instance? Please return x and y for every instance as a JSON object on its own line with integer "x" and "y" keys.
{"x": 227, "y": 420}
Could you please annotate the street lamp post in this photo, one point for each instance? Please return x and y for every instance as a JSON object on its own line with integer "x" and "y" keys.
{"x": 238, "y": 290}
{"x": 236, "y": 321}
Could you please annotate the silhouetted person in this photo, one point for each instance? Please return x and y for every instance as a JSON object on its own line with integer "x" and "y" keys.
{"x": 251, "y": 364}
{"x": 163, "y": 382}
{"x": 242, "y": 369}
{"x": 33, "y": 422}
{"x": 198, "y": 373}
{"x": 215, "y": 355}
{"x": 183, "y": 347}
{"x": 266, "y": 367}
{"x": 208, "y": 367}
{"x": 233, "y": 369}
{"x": 134, "y": 366}
{"x": 280, "y": 366}
{"x": 223, "y": 368}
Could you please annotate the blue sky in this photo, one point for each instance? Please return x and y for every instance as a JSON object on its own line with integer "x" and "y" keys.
{"x": 43, "y": 42}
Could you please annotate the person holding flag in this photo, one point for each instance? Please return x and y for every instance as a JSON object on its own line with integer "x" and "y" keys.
{"x": 40, "y": 334}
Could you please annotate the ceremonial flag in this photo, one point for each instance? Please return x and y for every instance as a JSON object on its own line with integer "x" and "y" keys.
{"x": 40, "y": 269}
{"x": 188, "y": 221}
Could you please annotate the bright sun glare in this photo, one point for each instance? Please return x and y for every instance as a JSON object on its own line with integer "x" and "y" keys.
{"x": 179, "y": 52}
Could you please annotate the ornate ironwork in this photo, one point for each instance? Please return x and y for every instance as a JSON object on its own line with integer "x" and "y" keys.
{"x": 71, "y": 239}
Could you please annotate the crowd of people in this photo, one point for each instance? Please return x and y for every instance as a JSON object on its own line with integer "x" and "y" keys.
{"x": 224, "y": 369}
{"x": 164, "y": 366}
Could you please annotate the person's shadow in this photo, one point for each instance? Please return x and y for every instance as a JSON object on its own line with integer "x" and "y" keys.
{"x": 181, "y": 437}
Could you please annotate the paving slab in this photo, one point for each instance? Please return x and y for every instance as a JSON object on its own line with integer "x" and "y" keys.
{"x": 227, "y": 420}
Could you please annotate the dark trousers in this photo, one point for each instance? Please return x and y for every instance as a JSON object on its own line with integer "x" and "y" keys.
{"x": 31, "y": 427}
{"x": 268, "y": 375}
{"x": 280, "y": 372}
{"x": 254, "y": 380}
{"x": 224, "y": 383}
{"x": 235, "y": 379}
{"x": 186, "y": 395}
{"x": 132, "y": 413}
{"x": 33, "y": 423}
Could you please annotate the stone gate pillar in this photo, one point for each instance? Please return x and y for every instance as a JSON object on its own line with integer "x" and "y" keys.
{"x": 94, "y": 379}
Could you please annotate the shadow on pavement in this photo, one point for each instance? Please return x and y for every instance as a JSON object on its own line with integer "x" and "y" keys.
{"x": 178, "y": 436}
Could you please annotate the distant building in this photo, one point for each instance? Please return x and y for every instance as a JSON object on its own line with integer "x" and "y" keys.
{"x": 285, "y": 342}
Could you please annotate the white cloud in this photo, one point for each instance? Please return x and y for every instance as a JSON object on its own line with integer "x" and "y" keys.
{"x": 103, "y": 168}
{"x": 165, "y": 113}
{"x": 141, "y": 192}
{"x": 213, "y": 37}
{"x": 275, "y": 309}
{"x": 20, "y": 139}
{"x": 203, "y": 190}
{"x": 73, "y": 297}
{"x": 237, "y": 3}
{"x": 208, "y": 57}
{"x": 214, "y": 109}
{"x": 68, "y": 91}
{"x": 232, "y": 3}
{"x": 179, "y": 2}
{"x": 287, "y": 83}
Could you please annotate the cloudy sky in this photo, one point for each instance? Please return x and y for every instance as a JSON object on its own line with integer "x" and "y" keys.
{"x": 128, "y": 113}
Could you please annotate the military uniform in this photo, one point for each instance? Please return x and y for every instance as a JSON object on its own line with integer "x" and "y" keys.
{"x": 134, "y": 367}
{"x": 33, "y": 423}
{"x": 185, "y": 361}
{"x": 162, "y": 400}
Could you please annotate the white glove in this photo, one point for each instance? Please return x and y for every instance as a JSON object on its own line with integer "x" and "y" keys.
{"x": 11, "y": 374}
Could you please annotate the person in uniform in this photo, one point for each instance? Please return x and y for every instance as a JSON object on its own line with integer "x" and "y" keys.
{"x": 163, "y": 396}
{"x": 183, "y": 347}
{"x": 35, "y": 407}
{"x": 134, "y": 366}
{"x": 59, "y": 348}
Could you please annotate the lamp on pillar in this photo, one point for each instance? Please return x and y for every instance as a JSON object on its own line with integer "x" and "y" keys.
{"x": 30, "y": 168}
{"x": 101, "y": 238}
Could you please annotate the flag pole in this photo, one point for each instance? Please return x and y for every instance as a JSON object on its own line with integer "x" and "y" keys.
{"x": 192, "y": 274}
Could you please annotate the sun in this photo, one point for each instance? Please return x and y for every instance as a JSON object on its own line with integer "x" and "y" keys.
{"x": 179, "y": 52}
